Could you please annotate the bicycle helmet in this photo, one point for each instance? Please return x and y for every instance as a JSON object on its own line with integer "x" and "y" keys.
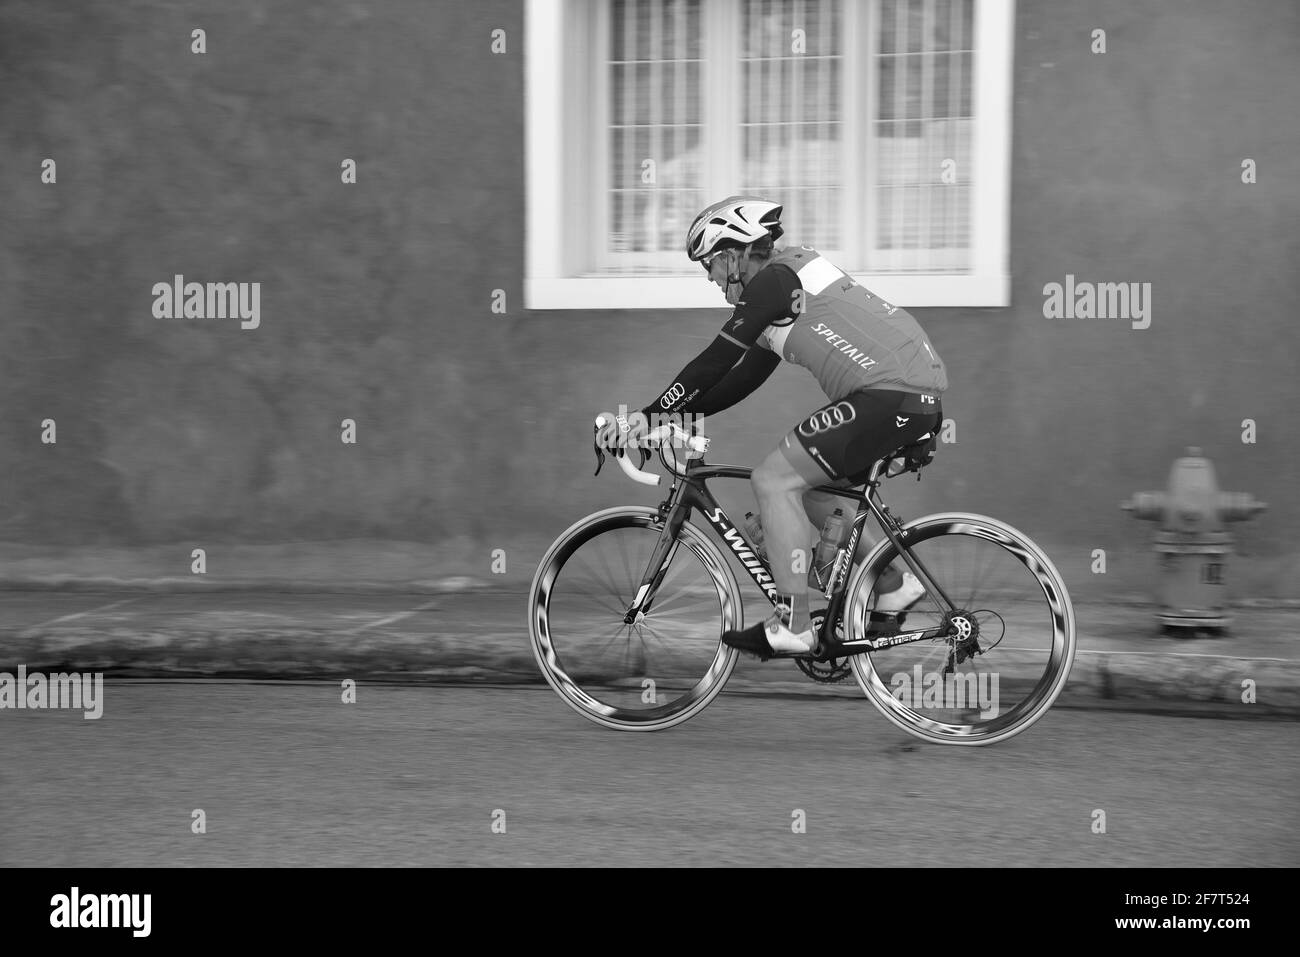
{"x": 735, "y": 221}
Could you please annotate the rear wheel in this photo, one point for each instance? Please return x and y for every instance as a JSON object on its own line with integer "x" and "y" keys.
{"x": 1006, "y": 649}
{"x": 657, "y": 670}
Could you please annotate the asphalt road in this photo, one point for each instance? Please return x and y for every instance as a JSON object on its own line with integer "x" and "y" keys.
{"x": 287, "y": 774}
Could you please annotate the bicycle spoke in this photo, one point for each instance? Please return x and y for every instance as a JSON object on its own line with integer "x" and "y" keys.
{"x": 597, "y": 575}
{"x": 664, "y": 653}
{"x": 627, "y": 565}
{"x": 618, "y": 633}
{"x": 611, "y": 589}
{"x": 629, "y": 583}
{"x": 675, "y": 573}
{"x": 702, "y": 606}
{"x": 604, "y": 605}
{"x": 661, "y": 602}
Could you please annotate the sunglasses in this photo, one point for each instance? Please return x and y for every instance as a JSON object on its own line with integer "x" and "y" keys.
{"x": 707, "y": 261}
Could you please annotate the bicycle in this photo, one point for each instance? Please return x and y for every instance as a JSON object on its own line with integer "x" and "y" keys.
{"x": 602, "y": 637}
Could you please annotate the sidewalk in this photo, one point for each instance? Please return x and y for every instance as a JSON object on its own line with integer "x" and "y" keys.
{"x": 129, "y": 612}
{"x": 347, "y": 567}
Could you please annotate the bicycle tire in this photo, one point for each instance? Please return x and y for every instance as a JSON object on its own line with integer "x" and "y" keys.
{"x": 569, "y": 687}
{"x": 899, "y": 701}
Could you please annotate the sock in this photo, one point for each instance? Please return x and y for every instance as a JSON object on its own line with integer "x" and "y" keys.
{"x": 792, "y": 609}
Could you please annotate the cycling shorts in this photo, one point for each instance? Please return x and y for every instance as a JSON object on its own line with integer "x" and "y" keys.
{"x": 844, "y": 439}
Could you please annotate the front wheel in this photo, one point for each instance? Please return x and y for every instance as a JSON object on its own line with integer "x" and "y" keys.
{"x": 649, "y": 673}
{"x": 1006, "y": 648}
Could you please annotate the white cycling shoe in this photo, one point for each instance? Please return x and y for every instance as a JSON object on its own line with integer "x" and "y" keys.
{"x": 770, "y": 638}
{"x": 781, "y": 638}
{"x": 903, "y": 597}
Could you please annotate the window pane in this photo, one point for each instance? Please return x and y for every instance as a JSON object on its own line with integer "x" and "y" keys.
{"x": 645, "y": 93}
{"x": 632, "y": 21}
{"x": 653, "y": 217}
{"x": 787, "y": 135}
{"x": 922, "y": 137}
{"x": 654, "y": 125}
{"x": 792, "y": 144}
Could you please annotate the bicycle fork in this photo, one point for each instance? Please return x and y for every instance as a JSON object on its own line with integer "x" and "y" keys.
{"x": 673, "y": 514}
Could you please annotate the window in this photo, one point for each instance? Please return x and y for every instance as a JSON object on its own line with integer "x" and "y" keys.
{"x": 882, "y": 125}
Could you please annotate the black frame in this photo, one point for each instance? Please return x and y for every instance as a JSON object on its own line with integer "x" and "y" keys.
{"x": 689, "y": 491}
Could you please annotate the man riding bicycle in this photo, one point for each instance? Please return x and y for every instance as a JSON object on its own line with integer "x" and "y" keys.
{"x": 875, "y": 364}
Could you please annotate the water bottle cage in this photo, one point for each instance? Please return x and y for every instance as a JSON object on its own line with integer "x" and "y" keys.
{"x": 825, "y": 575}
{"x": 837, "y": 570}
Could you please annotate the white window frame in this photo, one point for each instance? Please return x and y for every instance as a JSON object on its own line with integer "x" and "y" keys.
{"x": 556, "y": 106}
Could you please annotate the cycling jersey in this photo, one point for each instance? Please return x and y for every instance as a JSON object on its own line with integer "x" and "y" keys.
{"x": 801, "y": 308}
{"x": 848, "y": 338}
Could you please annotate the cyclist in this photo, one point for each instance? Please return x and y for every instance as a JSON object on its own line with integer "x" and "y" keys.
{"x": 881, "y": 374}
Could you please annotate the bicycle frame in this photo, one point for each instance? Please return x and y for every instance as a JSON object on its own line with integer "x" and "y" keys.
{"x": 689, "y": 491}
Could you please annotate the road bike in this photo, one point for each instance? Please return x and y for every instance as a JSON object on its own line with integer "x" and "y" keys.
{"x": 628, "y": 606}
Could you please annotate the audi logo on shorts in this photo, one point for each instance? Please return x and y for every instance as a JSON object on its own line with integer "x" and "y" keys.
{"x": 823, "y": 420}
{"x": 675, "y": 392}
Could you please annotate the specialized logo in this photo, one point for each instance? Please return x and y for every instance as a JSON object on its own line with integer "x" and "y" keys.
{"x": 753, "y": 564}
{"x": 901, "y": 420}
{"x": 823, "y": 420}
{"x": 843, "y": 345}
{"x": 675, "y": 392}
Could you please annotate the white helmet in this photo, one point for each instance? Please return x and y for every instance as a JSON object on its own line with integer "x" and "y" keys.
{"x": 735, "y": 221}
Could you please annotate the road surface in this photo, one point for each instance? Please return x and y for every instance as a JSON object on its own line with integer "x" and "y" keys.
{"x": 288, "y": 774}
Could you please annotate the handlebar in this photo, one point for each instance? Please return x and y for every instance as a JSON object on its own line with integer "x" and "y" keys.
{"x": 696, "y": 445}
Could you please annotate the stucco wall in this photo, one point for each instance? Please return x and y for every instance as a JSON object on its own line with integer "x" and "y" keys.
{"x": 376, "y": 296}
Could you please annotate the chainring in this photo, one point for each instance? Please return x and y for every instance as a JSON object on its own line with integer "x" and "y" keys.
{"x": 827, "y": 672}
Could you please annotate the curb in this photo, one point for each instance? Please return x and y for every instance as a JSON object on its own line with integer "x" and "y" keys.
{"x": 250, "y": 645}
{"x": 1134, "y": 681}
{"x": 1195, "y": 679}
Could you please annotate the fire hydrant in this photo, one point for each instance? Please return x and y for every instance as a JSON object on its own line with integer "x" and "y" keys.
{"x": 1191, "y": 543}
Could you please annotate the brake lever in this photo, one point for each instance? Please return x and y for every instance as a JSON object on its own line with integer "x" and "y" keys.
{"x": 600, "y": 453}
